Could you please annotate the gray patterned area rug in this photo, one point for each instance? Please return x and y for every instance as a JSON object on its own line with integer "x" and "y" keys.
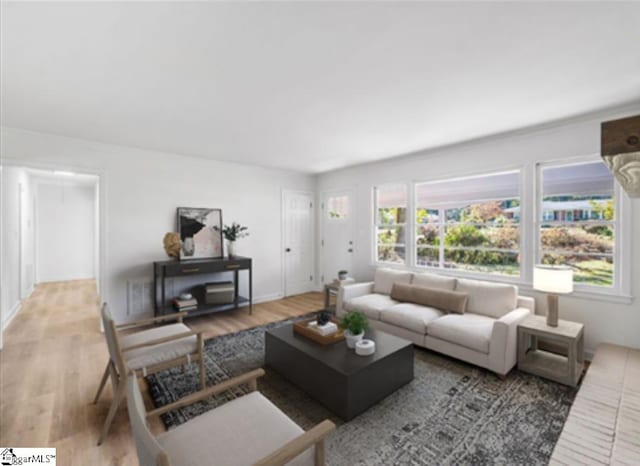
{"x": 452, "y": 413}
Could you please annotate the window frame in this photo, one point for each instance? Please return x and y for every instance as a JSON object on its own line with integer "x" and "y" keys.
{"x": 350, "y": 211}
{"x": 621, "y": 287}
{"x": 442, "y": 225}
{"x": 408, "y": 235}
{"x": 530, "y": 198}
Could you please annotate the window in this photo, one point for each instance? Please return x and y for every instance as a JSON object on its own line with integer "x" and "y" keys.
{"x": 338, "y": 207}
{"x": 577, "y": 221}
{"x": 390, "y": 221}
{"x": 470, "y": 224}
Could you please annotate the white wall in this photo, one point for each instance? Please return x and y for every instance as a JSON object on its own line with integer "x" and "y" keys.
{"x": 142, "y": 190}
{"x": 65, "y": 219}
{"x": 604, "y": 320}
{"x": 15, "y": 281}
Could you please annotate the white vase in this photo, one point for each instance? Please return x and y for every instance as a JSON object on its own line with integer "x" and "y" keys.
{"x": 231, "y": 248}
{"x": 352, "y": 339}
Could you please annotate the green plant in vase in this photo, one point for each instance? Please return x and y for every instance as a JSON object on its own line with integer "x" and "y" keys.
{"x": 354, "y": 323}
{"x": 232, "y": 233}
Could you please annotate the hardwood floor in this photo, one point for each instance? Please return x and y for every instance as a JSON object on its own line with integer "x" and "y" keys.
{"x": 54, "y": 355}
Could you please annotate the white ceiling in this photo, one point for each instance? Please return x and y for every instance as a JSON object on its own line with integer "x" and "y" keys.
{"x": 310, "y": 86}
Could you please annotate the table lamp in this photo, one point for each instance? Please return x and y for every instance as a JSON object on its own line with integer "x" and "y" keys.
{"x": 554, "y": 281}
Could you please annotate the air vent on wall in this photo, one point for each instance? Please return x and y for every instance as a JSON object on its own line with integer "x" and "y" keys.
{"x": 139, "y": 297}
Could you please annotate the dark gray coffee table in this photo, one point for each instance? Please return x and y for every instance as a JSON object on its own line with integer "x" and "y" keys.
{"x": 347, "y": 384}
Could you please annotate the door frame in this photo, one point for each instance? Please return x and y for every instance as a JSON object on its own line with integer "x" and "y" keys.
{"x": 20, "y": 243}
{"x": 323, "y": 223}
{"x": 102, "y": 211}
{"x": 283, "y": 255}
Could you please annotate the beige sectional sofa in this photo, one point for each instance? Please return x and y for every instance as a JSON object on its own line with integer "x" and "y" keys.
{"x": 484, "y": 335}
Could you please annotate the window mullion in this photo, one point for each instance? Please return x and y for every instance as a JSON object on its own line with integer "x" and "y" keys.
{"x": 441, "y": 234}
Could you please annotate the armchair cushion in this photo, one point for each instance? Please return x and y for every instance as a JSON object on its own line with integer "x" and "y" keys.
{"x": 472, "y": 331}
{"x": 370, "y": 304}
{"x": 150, "y": 355}
{"x": 238, "y": 433}
{"x": 385, "y": 278}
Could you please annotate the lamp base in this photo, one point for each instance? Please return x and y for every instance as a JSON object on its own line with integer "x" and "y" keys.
{"x": 552, "y": 310}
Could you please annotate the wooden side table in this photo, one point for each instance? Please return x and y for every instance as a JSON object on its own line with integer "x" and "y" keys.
{"x": 563, "y": 369}
{"x": 331, "y": 289}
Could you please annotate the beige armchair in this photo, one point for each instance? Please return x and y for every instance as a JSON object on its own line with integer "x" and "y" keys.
{"x": 249, "y": 430}
{"x": 145, "y": 352}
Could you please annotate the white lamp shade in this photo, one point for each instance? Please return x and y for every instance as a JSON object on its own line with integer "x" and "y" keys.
{"x": 558, "y": 280}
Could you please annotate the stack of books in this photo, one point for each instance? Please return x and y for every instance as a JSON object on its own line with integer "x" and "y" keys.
{"x": 327, "y": 329}
{"x": 185, "y": 304}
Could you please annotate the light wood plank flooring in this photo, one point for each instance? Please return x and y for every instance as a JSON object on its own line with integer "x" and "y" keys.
{"x": 52, "y": 360}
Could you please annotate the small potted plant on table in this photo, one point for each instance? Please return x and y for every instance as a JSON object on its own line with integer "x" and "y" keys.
{"x": 354, "y": 323}
{"x": 232, "y": 233}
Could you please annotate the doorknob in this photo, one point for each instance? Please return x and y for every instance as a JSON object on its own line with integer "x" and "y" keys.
{"x": 350, "y": 250}
{"x": 287, "y": 250}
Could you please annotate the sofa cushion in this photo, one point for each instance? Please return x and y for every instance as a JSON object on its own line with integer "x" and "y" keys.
{"x": 370, "y": 304}
{"x": 385, "y": 278}
{"x": 445, "y": 300}
{"x": 410, "y": 316}
{"x": 432, "y": 280}
{"x": 488, "y": 298}
{"x": 472, "y": 331}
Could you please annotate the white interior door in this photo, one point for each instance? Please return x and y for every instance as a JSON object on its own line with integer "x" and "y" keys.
{"x": 298, "y": 242}
{"x": 337, "y": 233}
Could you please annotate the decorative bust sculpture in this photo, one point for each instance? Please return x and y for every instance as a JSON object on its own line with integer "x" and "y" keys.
{"x": 172, "y": 245}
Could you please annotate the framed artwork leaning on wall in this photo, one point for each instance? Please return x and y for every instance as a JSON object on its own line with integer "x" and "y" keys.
{"x": 199, "y": 237}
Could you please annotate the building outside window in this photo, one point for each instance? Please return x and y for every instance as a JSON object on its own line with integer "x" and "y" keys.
{"x": 578, "y": 222}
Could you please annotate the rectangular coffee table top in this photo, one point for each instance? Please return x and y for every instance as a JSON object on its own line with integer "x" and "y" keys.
{"x": 337, "y": 356}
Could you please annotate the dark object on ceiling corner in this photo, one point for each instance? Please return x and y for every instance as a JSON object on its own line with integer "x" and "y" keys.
{"x": 620, "y": 150}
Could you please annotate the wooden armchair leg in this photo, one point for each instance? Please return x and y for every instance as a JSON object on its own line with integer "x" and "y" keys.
{"x": 203, "y": 380}
{"x": 319, "y": 457}
{"x": 117, "y": 398}
{"x": 103, "y": 382}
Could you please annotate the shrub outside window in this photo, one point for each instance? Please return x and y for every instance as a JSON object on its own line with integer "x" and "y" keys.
{"x": 470, "y": 224}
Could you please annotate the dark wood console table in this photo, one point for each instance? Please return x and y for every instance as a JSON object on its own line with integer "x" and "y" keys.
{"x": 176, "y": 268}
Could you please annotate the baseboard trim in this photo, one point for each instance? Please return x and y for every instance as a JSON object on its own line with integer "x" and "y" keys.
{"x": 265, "y": 299}
{"x": 12, "y": 313}
{"x": 29, "y": 292}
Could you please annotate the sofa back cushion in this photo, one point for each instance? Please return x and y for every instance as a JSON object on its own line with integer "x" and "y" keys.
{"x": 488, "y": 298}
{"x": 432, "y": 280}
{"x": 445, "y": 300}
{"x": 385, "y": 278}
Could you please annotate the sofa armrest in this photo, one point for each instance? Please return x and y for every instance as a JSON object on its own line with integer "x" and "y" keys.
{"x": 347, "y": 292}
{"x": 527, "y": 302}
{"x": 503, "y": 348}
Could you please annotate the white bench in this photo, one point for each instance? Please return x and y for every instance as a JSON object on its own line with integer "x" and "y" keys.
{"x": 603, "y": 426}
